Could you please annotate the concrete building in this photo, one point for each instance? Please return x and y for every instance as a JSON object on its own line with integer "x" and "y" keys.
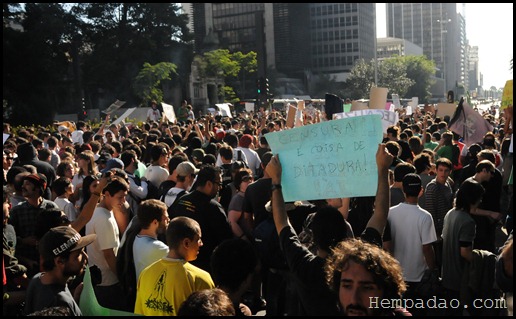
{"x": 296, "y": 40}
{"x": 440, "y": 31}
{"x": 388, "y": 47}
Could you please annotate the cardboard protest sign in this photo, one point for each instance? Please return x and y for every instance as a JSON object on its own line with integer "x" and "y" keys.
{"x": 291, "y": 116}
{"x": 113, "y": 107}
{"x": 358, "y": 105}
{"x": 168, "y": 111}
{"x": 377, "y": 98}
{"x": 388, "y": 117}
{"x": 444, "y": 109}
{"x": 330, "y": 159}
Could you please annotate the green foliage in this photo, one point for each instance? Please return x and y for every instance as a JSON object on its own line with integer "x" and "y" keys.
{"x": 236, "y": 69}
{"x": 70, "y": 51}
{"x": 221, "y": 63}
{"x": 147, "y": 83}
{"x": 230, "y": 95}
{"x": 360, "y": 80}
{"x": 406, "y": 76}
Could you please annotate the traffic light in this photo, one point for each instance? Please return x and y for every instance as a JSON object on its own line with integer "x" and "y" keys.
{"x": 266, "y": 86}
{"x": 82, "y": 114}
{"x": 259, "y": 85}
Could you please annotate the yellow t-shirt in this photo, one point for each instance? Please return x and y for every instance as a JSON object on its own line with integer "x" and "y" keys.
{"x": 165, "y": 284}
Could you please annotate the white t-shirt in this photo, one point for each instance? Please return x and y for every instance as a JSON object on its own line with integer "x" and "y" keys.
{"x": 253, "y": 159}
{"x": 147, "y": 250}
{"x": 153, "y": 114}
{"x": 411, "y": 228}
{"x": 171, "y": 195}
{"x": 103, "y": 224}
{"x": 67, "y": 207}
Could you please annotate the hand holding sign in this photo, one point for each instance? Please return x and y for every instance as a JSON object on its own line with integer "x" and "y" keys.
{"x": 334, "y": 158}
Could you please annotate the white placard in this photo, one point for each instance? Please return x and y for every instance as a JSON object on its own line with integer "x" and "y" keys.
{"x": 124, "y": 116}
{"x": 249, "y": 107}
{"x": 168, "y": 110}
{"x": 224, "y": 109}
{"x": 388, "y": 117}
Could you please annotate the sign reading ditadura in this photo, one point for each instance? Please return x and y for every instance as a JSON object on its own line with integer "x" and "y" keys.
{"x": 330, "y": 159}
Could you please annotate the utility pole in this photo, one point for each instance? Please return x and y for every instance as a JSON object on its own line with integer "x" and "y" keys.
{"x": 261, "y": 57}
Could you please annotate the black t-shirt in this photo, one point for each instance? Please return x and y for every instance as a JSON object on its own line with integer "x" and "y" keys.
{"x": 256, "y": 196}
{"x": 308, "y": 277}
{"x": 211, "y": 217}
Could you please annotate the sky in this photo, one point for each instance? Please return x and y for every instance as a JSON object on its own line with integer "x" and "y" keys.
{"x": 488, "y": 26}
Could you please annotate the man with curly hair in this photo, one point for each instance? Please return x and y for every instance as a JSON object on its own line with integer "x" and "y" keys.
{"x": 363, "y": 275}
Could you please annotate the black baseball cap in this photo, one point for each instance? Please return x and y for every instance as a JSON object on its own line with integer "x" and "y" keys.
{"x": 59, "y": 240}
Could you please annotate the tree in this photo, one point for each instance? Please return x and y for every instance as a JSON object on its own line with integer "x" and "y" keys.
{"x": 393, "y": 76}
{"x": 404, "y": 75}
{"x": 36, "y": 77}
{"x": 57, "y": 53}
{"x": 421, "y": 70}
{"x": 147, "y": 83}
{"x": 360, "y": 80}
{"x": 234, "y": 68}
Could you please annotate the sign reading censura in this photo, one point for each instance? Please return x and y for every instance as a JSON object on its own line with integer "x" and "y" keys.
{"x": 329, "y": 159}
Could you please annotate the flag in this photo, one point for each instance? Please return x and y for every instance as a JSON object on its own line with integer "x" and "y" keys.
{"x": 469, "y": 124}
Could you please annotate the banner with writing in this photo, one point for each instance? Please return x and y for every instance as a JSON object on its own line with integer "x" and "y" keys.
{"x": 388, "y": 117}
{"x": 329, "y": 159}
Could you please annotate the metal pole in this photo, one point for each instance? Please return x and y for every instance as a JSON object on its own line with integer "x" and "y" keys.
{"x": 375, "y": 53}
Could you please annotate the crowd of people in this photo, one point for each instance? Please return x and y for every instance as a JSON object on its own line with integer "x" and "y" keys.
{"x": 188, "y": 218}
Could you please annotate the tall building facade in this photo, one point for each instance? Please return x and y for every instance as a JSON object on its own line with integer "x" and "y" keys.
{"x": 295, "y": 39}
{"x": 341, "y": 33}
{"x": 473, "y": 72}
{"x": 440, "y": 31}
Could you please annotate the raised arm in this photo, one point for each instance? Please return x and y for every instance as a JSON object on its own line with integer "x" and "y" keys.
{"x": 279, "y": 211}
{"x": 87, "y": 211}
{"x": 382, "y": 201}
{"x": 101, "y": 129}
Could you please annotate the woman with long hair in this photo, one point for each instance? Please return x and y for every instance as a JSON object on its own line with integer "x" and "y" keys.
{"x": 87, "y": 167}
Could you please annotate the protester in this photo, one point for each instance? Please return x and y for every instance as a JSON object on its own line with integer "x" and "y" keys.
{"x": 63, "y": 255}
{"x": 167, "y": 283}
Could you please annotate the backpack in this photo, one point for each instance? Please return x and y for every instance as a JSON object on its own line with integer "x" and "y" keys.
{"x": 153, "y": 191}
{"x": 134, "y": 202}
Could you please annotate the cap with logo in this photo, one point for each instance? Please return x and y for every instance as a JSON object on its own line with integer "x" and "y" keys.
{"x": 411, "y": 182}
{"x": 62, "y": 239}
